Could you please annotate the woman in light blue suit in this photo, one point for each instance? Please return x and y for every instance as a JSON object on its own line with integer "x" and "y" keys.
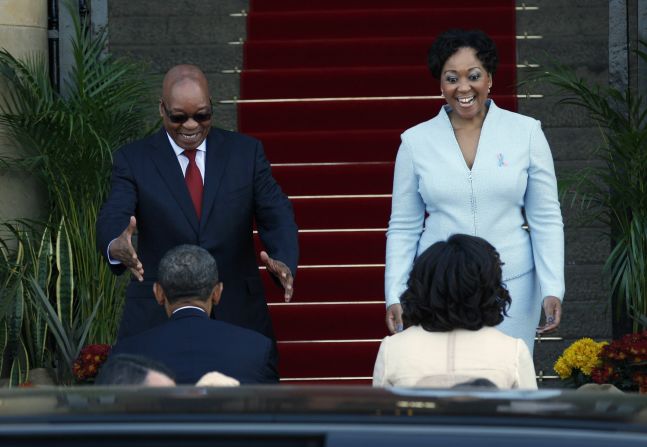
{"x": 476, "y": 169}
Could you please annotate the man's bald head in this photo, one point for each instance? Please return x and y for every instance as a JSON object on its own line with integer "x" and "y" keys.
{"x": 185, "y": 106}
{"x": 181, "y": 74}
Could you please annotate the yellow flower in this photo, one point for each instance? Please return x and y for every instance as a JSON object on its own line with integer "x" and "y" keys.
{"x": 562, "y": 368}
{"x": 583, "y": 354}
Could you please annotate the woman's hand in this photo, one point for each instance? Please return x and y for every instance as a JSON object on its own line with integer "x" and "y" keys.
{"x": 394, "y": 318}
{"x": 553, "y": 312}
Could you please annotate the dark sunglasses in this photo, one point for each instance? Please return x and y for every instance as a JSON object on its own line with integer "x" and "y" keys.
{"x": 181, "y": 118}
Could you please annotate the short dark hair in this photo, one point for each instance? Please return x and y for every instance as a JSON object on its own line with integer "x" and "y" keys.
{"x": 128, "y": 369}
{"x": 456, "y": 285}
{"x": 187, "y": 271}
{"x": 452, "y": 40}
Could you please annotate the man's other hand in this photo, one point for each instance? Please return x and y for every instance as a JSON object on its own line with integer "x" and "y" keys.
{"x": 282, "y": 272}
{"x": 123, "y": 251}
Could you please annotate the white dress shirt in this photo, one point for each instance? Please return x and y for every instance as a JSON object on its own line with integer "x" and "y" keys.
{"x": 200, "y": 156}
{"x": 188, "y": 307}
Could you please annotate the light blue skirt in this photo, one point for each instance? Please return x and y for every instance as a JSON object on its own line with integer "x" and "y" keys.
{"x": 525, "y": 310}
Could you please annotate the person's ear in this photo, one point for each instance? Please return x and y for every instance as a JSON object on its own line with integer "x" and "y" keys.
{"x": 216, "y": 293}
{"x": 161, "y": 109}
{"x": 160, "y": 297}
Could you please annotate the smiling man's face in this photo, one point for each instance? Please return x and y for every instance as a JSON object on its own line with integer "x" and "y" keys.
{"x": 185, "y": 109}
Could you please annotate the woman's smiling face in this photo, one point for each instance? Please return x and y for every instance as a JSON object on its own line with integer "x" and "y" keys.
{"x": 465, "y": 84}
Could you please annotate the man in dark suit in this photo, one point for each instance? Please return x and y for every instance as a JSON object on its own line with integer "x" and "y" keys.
{"x": 191, "y": 344}
{"x": 194, "y": 184}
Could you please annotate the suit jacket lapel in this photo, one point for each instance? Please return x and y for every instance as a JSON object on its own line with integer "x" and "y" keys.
{"x": 216, "y": 161}
{"x": 166, "y": 162}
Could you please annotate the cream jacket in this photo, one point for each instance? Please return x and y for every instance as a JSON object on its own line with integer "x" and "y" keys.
{"x": 416, "y": 357}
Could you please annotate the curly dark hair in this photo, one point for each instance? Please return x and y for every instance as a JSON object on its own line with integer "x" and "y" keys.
{"x": 452, "y": 40}
{"x": 456, "y": 285}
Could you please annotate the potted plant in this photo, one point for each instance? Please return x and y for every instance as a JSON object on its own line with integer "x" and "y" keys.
{"x": 66, "y": 140}
{"x": 23, "y": 331}
{"x": 87, "y": 364}
{"x": 41, "y": 325}
{"x": 623, "y": 363}
{"x": 615, "y": 192}
{"x": 577, "y": 362}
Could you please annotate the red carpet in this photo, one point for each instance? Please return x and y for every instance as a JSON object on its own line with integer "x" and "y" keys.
{"x": 343, "y": 5}
{"x": 331, "y": 147}
{"x": 354, "y": 75}
{"x": 354, "y": 284}
{"x": 349, "y": 52}
{"x": 372, "y": 22}
{"x": 408, "y": 80}
{"x": 342, "y": 114}
{"x": 341, "y": 212}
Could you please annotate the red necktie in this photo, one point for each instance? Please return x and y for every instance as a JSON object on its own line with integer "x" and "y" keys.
{"x": 193, "y": 180}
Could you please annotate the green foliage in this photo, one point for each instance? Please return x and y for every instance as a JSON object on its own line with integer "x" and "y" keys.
{"x": 615, "y": 191}
{"x": 627, "y": 266}
{"x": 65, "y": 280}
{"x": 66, "y": 141}
{"x": 23, "y": 332}
{"x": 40, "y": 300}
{"x": 70, "y": 338}
{"x": 67, "y": 323}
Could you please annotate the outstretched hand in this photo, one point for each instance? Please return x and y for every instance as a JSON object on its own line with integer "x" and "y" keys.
{"x": 282, "y": 272}
{"x": 123, "y": 251}
{"x": 553, "y": 312}
{"x": 394, "y": 318}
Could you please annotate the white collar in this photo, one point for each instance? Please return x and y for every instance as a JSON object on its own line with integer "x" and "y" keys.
{"x": 189, "y": 307}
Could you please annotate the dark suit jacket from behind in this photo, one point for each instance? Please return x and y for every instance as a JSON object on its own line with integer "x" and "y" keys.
{"x": 191, "y": 344}
{"x": 147, "y": 182}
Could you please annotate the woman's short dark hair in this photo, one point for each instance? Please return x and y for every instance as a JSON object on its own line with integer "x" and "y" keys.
{"x": 452, "y": 40}
{"x": 456, "y": 285}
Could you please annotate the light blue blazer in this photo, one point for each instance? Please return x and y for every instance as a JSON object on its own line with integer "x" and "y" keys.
{"x": 513, "y": 169}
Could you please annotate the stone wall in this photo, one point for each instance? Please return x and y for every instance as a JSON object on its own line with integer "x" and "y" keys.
{"x": 574, "y": 33}
{"x": 23, "y": 31}
{"x": 171, "y": 32}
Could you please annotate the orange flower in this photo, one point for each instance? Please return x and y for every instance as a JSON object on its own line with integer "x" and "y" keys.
{"x": 89, "y": 361}
{"x": 623, "y": 363}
